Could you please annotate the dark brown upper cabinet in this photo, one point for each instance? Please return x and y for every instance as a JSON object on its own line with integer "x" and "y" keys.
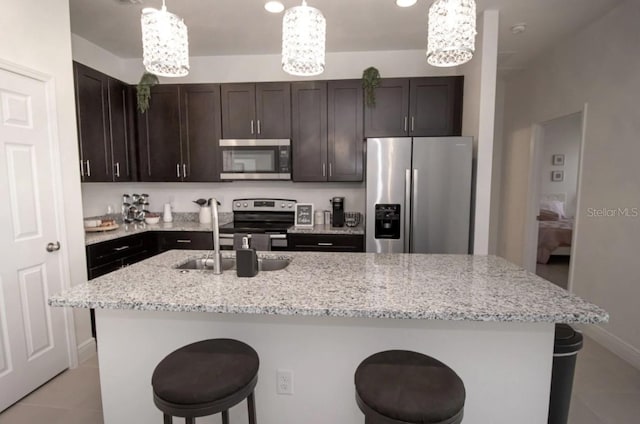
{"x": 345, "y": 130}
{"x": 201, "y": 132}
{"x": 327, "y": 130}
{"x": 105, "y": 120}
{"x": 416, "y": 107}
{"x": 179, "y": 134}
{"x": 309, "y": 131}
{"x": 261, "y": 110}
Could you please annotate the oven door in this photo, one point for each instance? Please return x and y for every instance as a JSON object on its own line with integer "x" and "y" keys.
{"x": 278, "y": 241}
{"x": 255, "y": 159}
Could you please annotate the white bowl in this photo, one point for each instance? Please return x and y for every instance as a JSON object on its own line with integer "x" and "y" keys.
{"x": 152, "y": 220}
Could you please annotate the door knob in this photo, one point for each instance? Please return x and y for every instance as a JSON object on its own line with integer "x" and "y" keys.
{"x": 52, "y": 247}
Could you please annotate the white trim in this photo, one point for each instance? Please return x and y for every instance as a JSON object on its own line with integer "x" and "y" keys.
{"x": 530, "y": 247}
{"x": 86, "y": 350}
{"x": 614, "y": 344}
{"x": 56, "y": 171}
{"x": 578, "y": 220}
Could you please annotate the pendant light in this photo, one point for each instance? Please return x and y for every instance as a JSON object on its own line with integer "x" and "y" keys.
{"x": 303, "y": 41}
{"x": 165, "y": 43}
{"x": 452, "y": 32}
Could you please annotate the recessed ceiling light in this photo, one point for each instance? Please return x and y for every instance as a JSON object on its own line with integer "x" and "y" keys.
{"x": 405, "y": 3}
{"x": 274, "y": 6}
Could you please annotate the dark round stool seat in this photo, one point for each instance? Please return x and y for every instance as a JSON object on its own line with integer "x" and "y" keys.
{"x": 399, "y": 386}
{"x": 205, "y": 377}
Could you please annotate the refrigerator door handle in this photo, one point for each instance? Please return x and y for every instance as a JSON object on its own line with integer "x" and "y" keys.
{"x": 407, "y": 211}
{"x": 414, "y": 200}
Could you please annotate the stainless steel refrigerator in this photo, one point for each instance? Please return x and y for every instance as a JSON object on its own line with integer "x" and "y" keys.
{"x": 419, "y": 194}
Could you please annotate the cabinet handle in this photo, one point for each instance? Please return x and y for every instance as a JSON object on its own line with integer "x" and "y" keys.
{"x": 259, "y": 130}
{"x": 324, "y": 170}
{"x": 184, "y": 170}
{"x": 183, "y": 241}
{"x": 82, "y": 168}
{"x": 406, "y": 119}
{"x": 413, "y": 123}
{"x": 118, "y": 249}
{"x": 252, "y": 126}
{"x": 178, "y": 170}
{"x": 118, "y": 169}
{"x": 88, "y": 168}
{"x": 330, "y": 169}
{"x": 325, "y": 244}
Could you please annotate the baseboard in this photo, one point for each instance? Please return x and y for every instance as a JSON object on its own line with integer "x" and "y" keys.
{"x": 86, "y": 350}
{"x": 613, "y": 343}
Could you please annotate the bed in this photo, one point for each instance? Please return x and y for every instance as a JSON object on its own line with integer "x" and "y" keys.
{"x": 555, "y": 230}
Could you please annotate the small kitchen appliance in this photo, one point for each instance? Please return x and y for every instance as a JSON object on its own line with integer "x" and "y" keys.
{"x": 265, "y": 159}
{"x": 337, "y": 205}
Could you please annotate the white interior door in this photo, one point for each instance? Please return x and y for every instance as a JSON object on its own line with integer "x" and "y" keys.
{"x": 33, "y": 344}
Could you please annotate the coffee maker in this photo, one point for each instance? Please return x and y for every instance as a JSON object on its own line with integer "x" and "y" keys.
{"x": 337, "y": 205}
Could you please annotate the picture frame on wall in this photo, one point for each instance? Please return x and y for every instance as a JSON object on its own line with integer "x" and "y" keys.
{"x": 304, "y": 215}
{"x": 557, "y": 176}
{"x": 557, "y": 160}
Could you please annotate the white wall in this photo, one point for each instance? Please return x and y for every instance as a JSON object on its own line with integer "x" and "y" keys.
{"x": 562, "y": 136}
{"x": 36, "y": 34}
{"x": 478, "y": 122}
{"x": 97, "y": 196}
{"x": 599, "y": 66}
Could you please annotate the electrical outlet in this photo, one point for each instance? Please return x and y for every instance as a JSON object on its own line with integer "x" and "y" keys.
{"x": 284, "y": 382}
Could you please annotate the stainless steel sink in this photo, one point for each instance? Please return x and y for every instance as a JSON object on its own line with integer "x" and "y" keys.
{"x": 264, "y": 264}
{"x": 206, "y": 264}
{"x": 272, "y": 264}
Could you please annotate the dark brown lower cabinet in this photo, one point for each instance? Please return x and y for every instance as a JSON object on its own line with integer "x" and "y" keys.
{"x": 326, "y": 242}
{"x": 184, "y": 240}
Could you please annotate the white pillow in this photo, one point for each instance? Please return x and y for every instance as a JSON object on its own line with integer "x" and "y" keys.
{"x": 554, "y": 206}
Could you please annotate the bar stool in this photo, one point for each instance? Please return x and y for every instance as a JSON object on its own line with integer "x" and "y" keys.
{"x": 404, "y": 387}
{"x": 206, "y": 378}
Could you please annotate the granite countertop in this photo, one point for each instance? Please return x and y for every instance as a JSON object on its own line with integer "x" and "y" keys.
{"x": 128, "y": 229}
{"x": 402, "y": 286}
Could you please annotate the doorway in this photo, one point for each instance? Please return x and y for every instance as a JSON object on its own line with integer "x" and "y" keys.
{"x": 554, "y": 183}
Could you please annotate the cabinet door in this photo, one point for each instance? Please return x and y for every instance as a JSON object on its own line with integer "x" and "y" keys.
{"x": 201, "y": 131}
{"x": 159, "y": 139}
{"x": 120, "y": 131}
{"x": 184, "y": 240}
{"x": 309, "y": 131}
{"x": 436, "y": 106}
{"x": 345, "y": 130}
{"x": 390, "y": 116}
{"x": 239, "y": 111}
{"x": 273, "y": 110}
{"x": 91, "y": 111}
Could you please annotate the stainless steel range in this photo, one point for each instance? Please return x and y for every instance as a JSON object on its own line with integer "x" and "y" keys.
{"x": 260, "y": 216}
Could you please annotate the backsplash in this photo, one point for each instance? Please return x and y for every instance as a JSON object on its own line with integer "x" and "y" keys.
{"x": 97, "y": 197}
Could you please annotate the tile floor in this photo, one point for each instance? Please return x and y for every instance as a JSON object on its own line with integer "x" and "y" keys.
{"x": 606, "y": 391}
{"x": 556, "y": 271}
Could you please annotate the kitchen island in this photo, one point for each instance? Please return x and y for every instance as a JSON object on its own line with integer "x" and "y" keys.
{"x": 489, "y": 320}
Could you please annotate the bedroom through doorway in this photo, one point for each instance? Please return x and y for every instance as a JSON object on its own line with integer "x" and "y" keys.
{"x": 557, "y": 151}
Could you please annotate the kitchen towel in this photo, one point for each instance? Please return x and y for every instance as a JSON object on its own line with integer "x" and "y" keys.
{"x": 259, "y": 242}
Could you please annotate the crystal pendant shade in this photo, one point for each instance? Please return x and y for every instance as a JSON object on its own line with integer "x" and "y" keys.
{"x": 165, "y": 43}
{"x": 303, "y": 41}
{"x": 452, "y": 32}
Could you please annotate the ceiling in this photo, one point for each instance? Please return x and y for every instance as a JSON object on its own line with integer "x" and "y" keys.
{"x": 236, "y": 27}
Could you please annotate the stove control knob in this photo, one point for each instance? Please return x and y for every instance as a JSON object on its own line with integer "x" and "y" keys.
{"x": 246, "y": 205}
{"x": 290, "y": 205}
{"x": 282, "y": 205}
{"x": 237, "y": 204}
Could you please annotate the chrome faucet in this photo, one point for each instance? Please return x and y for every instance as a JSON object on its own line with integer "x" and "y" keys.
{"x": 215, "y": 233}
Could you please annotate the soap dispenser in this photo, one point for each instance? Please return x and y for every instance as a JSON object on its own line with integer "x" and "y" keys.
{"x": 246, "y": 260}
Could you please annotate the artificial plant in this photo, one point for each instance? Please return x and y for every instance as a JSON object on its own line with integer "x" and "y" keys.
{"x": 143, "y": 90}
{"x": 370, "y": 81}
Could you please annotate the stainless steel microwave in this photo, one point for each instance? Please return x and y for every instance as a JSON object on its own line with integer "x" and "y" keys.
{"x": 266, "y": 159}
